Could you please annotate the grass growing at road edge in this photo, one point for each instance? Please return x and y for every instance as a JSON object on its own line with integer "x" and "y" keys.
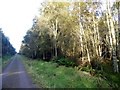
{"x": 5, "y": 60}
{"x": 50, "y": 75}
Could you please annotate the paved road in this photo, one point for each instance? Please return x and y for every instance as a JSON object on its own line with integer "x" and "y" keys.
{"x": 15, "y": 76}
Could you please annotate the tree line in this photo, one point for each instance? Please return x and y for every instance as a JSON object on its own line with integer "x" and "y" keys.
{"x": 6, "y": 47}
{"x": 80, "y": 31}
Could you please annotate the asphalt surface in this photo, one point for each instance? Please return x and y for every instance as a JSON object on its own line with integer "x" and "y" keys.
{"x": 15, "y": 75}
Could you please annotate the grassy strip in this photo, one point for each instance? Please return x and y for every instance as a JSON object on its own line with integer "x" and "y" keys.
{"x": 5, "y": 60}
{"x": 50, "y": 75}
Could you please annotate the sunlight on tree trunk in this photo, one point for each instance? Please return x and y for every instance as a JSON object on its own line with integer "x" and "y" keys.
{"x": 80, "y": 32}
{"x": 112, "y": 37}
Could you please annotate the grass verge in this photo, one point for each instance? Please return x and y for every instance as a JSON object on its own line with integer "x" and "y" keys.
{"x": 5, "y": 60}
{"x": 50, "y": 75}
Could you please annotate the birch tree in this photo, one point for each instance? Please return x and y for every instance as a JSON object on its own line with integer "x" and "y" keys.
{"x": 112, "y": 36}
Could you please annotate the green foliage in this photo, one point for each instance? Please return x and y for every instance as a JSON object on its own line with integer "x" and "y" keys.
{"x": 106, "y": 73}
{"x": 48, "y": 75}
{"x": 88, "y": 68}
{"x": 74, "y": 30}
{"x": 5, "y": 60}
{"x": 64, "y": 61}
{"x": 5, "y": 45}
{"x": 6, "y": 49}
{"x": 109, "y": 75}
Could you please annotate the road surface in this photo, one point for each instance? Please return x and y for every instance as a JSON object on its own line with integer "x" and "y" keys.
{"x": 15, "y": 75}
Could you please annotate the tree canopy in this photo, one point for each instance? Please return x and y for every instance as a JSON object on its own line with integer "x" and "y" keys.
{"x": 81, "y": 31}
{"x": 6, "y": 47}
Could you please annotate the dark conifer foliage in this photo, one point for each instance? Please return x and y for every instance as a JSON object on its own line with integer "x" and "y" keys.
{"x": 5, "y": 45}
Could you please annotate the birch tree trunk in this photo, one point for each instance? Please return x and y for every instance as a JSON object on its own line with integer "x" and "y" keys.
{"x": 80, "y": 32}
{"x": 95, "y": 38}
{"x": 119, "y": 29}
{"x": 55, "y": 35}
{"x": 112, "y": 37}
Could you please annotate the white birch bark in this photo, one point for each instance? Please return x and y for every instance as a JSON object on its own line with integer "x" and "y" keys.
{"x": 112, "y": 37}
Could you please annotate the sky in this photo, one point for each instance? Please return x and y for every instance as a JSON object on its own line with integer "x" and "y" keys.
{"x": 16, "y": 17}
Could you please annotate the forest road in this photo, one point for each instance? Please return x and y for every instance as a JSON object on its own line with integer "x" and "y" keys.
{"x": 15, "y": 75}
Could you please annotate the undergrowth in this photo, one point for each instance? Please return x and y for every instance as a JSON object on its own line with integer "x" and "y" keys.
{"x": 51, "y": 75}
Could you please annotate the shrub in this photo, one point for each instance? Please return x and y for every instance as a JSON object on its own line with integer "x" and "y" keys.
{"x": 64, "y": 61}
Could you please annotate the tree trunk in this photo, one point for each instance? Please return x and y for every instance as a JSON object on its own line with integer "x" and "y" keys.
{"x": 119, "y": 30}
{"x": 55, "y": 35}
{"x": 56, "y": 22}
{"x": 43, "y": 55}
{"x": 88, "y": 54}
{"x": 35, "y": 53}
{"x": 80, "y": 32}
{"x": 112, "y": 34}
{"x": 55, "y": 49}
